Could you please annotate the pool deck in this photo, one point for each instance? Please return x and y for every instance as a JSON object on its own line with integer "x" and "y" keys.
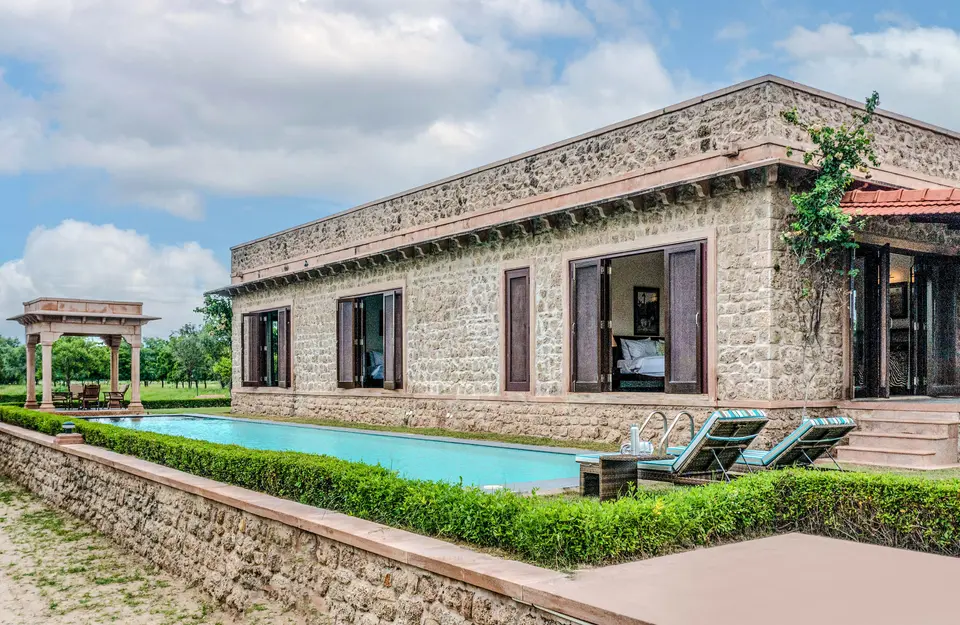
{"x": 791, "y": 579}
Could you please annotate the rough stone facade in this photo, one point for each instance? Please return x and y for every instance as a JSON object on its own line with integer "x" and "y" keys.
{"x": 238, "y": 557}
{"x": 453, "y": 303}
{"x": 719, "y": 123}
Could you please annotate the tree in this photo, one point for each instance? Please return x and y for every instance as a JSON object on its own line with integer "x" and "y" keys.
{"x": 74, "y": 359}
{"x": 13, "y": 361}
{"x": 223, "y": 369}
{"x": 217, "y": 314}
{"x": 191, "y": 354}
{"x": 820, "y": 235}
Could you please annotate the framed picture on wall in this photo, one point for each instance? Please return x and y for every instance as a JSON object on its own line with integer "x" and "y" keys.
{"x": 646, "y": 311}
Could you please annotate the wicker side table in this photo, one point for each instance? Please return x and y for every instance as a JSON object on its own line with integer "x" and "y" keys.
{"x": 609, "y": 478}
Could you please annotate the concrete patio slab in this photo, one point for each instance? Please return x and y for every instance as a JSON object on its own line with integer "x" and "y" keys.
{"x": 774, "y": 580}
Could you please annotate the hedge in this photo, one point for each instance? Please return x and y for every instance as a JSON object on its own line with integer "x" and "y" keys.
{"x": 153, "y": 404}
{"x": 561, "y": 532}
{"x": 160, "y": 404}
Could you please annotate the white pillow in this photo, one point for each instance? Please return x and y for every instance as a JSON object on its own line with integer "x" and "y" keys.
{"x": 634, "y": 349}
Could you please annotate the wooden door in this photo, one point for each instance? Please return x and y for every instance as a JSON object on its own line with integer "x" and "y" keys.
{"x": 943, "y": 365}
{"x": 588, "y": 311}
{"x": 393, "y": 340}
{"x": 346, "y": 344}
{"x": 252, "y": 351}
{"x": 517, "y": 325}
{"x": 683, "y": 350}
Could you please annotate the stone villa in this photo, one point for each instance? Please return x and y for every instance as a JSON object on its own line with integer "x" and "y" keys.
{"x": 571, "y": 290}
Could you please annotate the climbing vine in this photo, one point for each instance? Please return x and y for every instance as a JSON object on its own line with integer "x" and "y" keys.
{"x": 819, "y": 234}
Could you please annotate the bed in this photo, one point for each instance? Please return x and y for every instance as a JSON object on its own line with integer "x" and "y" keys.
{"x": 638, "y": 364}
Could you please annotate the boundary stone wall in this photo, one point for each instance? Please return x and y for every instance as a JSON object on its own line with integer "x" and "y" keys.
{"x": 239, "y": 557}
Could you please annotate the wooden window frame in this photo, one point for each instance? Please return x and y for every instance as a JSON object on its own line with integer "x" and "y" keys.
{"x": 350, "y": 378}
{"x": 706, "y": 243}
{"x": 508, "y": 344}
{"x": 284, "y": 348}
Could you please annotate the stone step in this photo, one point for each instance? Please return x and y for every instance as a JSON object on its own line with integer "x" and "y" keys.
{"x": 937, "y": 443}
{"x": 914, "y": 416}
{"x": 908, "y": 425}
{"x": 912, "y": 459}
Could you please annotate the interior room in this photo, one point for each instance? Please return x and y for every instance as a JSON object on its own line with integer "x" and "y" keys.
{"x": 371, "y": 336}
{"x": 638, "y": 320}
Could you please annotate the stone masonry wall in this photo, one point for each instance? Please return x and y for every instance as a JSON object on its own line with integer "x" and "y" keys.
{"x": 238, "y": 557}
{"x": 452, "y": 302}
{"x": 707, "y": 126}
{"x": 738, "y": 117}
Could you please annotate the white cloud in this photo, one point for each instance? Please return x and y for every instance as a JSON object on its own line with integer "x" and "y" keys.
{"x": 344, "y": 99}
{"x": 734, "y": 31}
{"x": 916, "y": 70}
{"x": 82, "y": 260}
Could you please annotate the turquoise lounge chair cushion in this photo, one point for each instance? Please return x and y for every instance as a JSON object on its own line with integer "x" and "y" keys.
{"x": 716, "y": 445}
{"x": 811, "y": 439}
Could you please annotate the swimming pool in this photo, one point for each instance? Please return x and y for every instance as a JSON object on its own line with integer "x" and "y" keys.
{"x": 478, "y": 464}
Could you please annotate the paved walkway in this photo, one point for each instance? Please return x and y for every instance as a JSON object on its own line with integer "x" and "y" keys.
{"x": 788, "y": 580}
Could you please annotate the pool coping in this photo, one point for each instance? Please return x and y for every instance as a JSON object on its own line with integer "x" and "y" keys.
{"x": 551, "y": 486}
{"x": 521, "y": 582}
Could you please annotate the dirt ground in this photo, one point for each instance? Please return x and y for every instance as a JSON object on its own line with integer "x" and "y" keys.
{"x": 56, "y": 570}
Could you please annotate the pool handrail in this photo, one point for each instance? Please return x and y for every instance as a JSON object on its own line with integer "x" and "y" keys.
{"x": 665, "y": 441}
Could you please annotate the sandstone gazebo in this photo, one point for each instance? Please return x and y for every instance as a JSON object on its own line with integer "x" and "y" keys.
{"x": 48, "y": 318}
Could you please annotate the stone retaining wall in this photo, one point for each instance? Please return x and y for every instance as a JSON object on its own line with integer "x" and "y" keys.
{"x": 239, "y": 557}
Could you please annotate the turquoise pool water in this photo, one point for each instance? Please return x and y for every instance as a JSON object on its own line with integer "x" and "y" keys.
{"x": 413, "y": 457}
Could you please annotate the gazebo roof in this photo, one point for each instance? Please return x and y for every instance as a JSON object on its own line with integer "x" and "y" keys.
{"x": 77, "y": 313}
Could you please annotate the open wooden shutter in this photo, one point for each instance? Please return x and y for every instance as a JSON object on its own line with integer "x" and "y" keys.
{"x": 283, "y": 348}
{"x": 588, "y": 320}
{"x": 943, "y": 363}
{"x": 683, "y": 278}
{"x": 517, "y": 323}
{"x": 393, "y": 340}
{"x": 346, "y": 339}
{"x": 251, "y": 350}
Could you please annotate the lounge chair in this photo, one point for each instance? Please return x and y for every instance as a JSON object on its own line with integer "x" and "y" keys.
{"x": 712, "y": 451}
{"x": 811, "y": 440}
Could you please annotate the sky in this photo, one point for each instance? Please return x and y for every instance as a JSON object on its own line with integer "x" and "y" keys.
{"x": 140, "y": 140}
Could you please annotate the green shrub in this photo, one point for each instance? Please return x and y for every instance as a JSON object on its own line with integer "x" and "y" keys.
{"x": 163, "y": 404}
{"x": 560, "y": 532}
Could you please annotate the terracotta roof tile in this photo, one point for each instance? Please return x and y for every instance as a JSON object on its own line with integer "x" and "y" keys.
{"x": 902, "y": 202}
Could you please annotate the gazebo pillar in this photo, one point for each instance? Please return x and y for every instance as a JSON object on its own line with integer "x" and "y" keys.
{"x": 135, "y": 405}
{"x": 31, "y": 403}
{"x": 114, "y": 343}
{"x": 47, "y": 339}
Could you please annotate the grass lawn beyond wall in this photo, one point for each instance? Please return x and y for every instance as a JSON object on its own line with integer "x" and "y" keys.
{"x": 154, "y": 392}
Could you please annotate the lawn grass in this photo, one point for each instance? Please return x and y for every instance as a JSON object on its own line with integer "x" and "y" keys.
{"x": 937, "y": 474}
{"x": 154, "y": 392}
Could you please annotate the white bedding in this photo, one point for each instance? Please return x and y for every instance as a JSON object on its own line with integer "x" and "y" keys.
{"x": 649, "y": 365}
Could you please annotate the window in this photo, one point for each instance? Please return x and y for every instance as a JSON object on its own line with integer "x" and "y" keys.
{"x": 370, "y": 341}
{"x": 637, "y": 321}
{"x": 517, "y": 323}
{"x": 266, "y": 348}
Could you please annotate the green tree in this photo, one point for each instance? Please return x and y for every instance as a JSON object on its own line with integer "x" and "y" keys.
{"x": 73, "y": 360}
{"x": 820, "y": 235}
{"x": 223, "y": 370}
{"x": 13, "y": 361}
{"x": 191, "y": 354}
